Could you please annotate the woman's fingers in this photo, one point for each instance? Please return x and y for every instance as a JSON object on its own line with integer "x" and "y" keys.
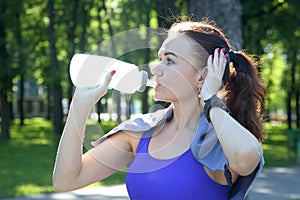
{"x": 108, "y": 78}
{"x": 102, "y": 89}
{"x": 218, "y": 62}
{"x": 216, "y": 59}
{"x": 210, "y": 60}
{"x": 89, "y": 96}
{"x": 222, "y": 63}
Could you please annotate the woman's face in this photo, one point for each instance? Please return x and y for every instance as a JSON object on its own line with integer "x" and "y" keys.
{"x": 176, "y": 74}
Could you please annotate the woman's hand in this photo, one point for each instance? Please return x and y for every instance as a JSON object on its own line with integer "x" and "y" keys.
{"x": 89, "y": 96}
{"x": 213, "y": 82}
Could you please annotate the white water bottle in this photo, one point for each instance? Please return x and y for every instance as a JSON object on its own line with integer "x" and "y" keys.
{"x": 88, "y": 70}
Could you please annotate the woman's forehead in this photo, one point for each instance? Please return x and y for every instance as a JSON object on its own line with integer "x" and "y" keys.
{"x": 179, "y": 44}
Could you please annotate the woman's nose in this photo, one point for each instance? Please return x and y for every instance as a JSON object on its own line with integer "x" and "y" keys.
{"x": 157, "y": 70}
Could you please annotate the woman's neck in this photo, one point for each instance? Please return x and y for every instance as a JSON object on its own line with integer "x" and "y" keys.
{"x": 186, "y": 115}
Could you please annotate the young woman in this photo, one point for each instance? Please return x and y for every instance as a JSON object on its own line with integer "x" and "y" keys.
{"x": 205, "y": 145}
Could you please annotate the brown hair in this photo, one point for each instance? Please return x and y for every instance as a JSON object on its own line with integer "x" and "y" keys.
{"x": 244, "y": 92}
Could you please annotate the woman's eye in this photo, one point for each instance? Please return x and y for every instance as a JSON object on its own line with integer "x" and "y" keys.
{"x": 169, "y": 61}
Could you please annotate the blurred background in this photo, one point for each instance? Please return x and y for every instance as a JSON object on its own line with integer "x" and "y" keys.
{"x": 38, "y": 39}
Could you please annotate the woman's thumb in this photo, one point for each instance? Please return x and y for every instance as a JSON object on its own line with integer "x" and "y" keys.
{"x": 108, "y": 78}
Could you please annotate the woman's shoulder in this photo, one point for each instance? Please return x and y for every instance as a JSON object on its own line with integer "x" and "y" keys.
{"x": 137, "y": 125}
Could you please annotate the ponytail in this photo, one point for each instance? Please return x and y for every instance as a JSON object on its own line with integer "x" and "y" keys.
{"x": 245, "y": 93}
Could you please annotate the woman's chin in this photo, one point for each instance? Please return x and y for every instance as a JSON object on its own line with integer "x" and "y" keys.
{"x": 161, "y": 94}
{"x": 158, "y": 97}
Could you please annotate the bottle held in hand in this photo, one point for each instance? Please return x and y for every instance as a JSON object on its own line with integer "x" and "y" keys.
{"x": 88, "y": 71}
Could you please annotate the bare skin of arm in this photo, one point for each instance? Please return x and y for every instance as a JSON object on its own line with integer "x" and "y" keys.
{"x": 74, "y": 170}
{"x": 241, "y": 148}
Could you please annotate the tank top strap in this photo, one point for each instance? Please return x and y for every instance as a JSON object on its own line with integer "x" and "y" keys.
{"x": 144, "y": 142}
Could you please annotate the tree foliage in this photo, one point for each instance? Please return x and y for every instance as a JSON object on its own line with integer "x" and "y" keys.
{"x": 270, "y": 29}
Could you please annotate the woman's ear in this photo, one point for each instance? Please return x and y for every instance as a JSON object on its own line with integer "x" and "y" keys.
{"x": 201, "y": 76}
{"x": 204, "y": 72}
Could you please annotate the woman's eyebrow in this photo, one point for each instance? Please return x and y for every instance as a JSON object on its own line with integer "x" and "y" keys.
{"x": 170, "y": 53}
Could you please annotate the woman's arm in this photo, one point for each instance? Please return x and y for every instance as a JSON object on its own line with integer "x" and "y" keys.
{"x": 72, "y": 170}
{"x": 241, "y": 148}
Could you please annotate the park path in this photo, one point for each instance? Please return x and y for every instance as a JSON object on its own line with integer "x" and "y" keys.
{"x": 280, "y": 183}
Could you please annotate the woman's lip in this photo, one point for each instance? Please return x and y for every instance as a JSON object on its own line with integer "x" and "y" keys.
{"x": 157, "y": 85}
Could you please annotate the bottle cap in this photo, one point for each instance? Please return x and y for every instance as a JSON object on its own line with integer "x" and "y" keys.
{"x": 144, "y": 79}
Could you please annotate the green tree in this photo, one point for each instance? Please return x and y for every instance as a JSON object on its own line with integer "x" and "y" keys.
{"x": 276, "y": 22}
{"x": 5, "y": 74}
{"x": 55, "y": 71}
{"x": 72, "y": 24}
{"x": 21, "y": 63}
{"x": 8, "y": 63}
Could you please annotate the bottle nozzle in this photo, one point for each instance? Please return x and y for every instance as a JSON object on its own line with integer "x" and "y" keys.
{"x": 151, "y": 83}
{"x": 144, "y": 78}
{"x": 145, "y": 82}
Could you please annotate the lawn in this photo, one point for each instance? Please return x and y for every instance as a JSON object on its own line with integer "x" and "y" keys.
{"x": 277, "y": 152}
{"x": 26, "y": 161}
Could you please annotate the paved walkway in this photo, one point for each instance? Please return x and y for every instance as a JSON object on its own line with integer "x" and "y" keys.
{"x": 275, "y": 183}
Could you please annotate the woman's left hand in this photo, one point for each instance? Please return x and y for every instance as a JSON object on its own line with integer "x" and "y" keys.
{"x": 213, "y": 82}
{"x": 87, "y": 97}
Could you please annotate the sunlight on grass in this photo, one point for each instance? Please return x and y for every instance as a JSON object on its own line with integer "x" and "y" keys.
{"x": 276, "y": 147}
{"x": 27, "y": 159}
{"x": 27, "y": 165}
{"x": 29, "y": 189}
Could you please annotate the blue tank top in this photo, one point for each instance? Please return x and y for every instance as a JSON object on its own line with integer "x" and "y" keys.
{"x": 179, "y": 178}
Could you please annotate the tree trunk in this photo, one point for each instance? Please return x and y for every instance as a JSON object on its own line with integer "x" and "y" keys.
{"x": 21, "y": 100}
{"x": 49, "y": 105}
{"x": 291, "y": 92}
{"x": 57, "y": 89}
{"x": 5, "y": 116}
{"x": 4, "y": 110}
{"x": 71, "y": 38}
{"x": 297, "y": 109}
{"x": 145, "y": 105}
{"x": 21, "y": 64}
{"x": 289, "y": 109}
{"x": 85, "y": 22}
{"x": 297, "y": 96}
{"x": 117, "y": 94}
{"x": 226, "y": 13}
{"x": 99, "y": 104}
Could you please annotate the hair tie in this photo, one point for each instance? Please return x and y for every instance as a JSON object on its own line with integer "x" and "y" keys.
{"x": 232, "y": 59}
{"x": 231, "y": 56}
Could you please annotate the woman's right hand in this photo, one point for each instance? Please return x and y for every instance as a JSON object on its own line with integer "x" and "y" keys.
{"x": 216, "y": 64}
{"x": 89, "y": 96}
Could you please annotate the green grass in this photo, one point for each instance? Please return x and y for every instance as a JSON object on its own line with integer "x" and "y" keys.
{"x": 277, "y": 152}
{"x": 26, "y": 161}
